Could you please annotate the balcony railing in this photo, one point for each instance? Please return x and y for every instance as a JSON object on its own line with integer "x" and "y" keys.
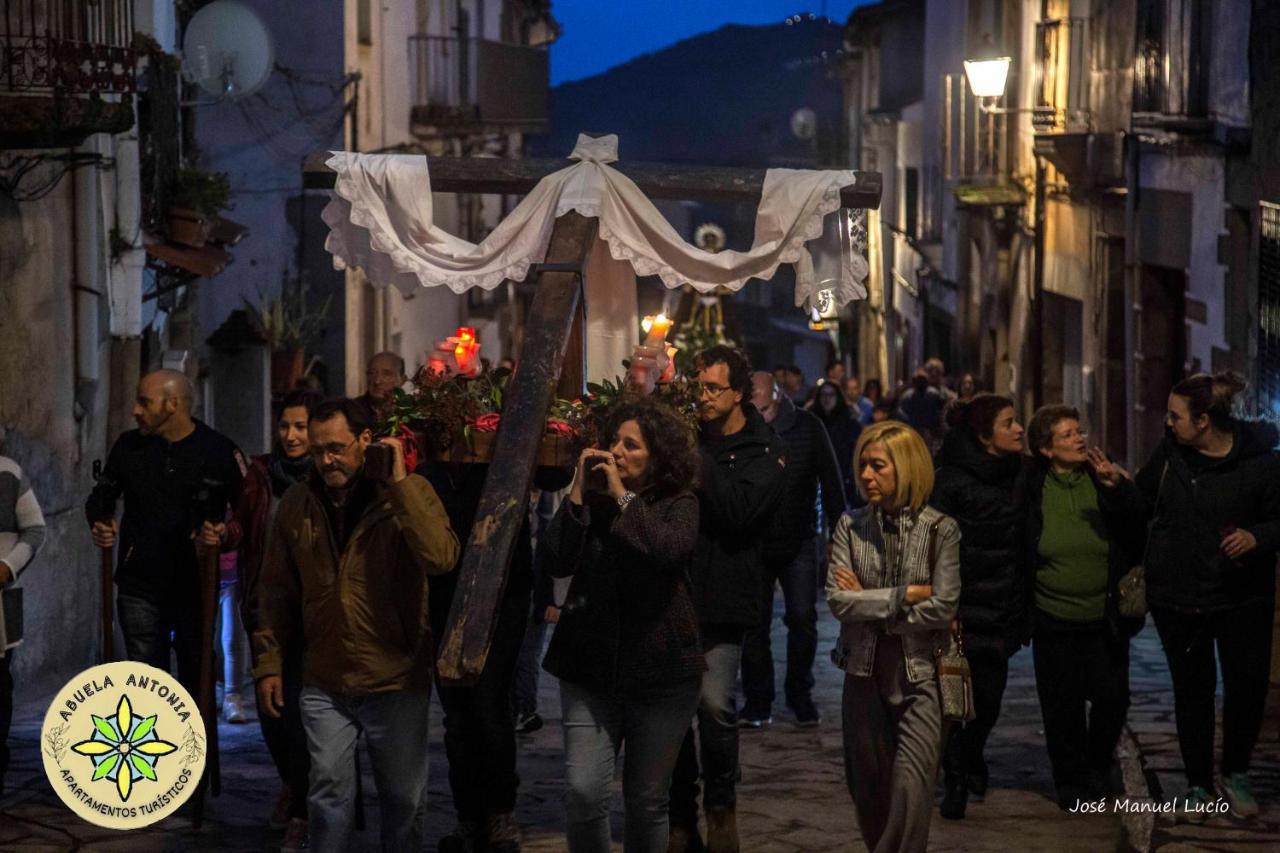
{"x": 66, "y": 47}
{"x": 1169, "y": 67}
{"x": 975, "y": 144}
{"x": 1062, "y": 76}
{"x": 466, "y": 84}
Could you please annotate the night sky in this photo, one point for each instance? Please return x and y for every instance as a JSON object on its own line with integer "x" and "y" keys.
{"x": 599, "y": 35}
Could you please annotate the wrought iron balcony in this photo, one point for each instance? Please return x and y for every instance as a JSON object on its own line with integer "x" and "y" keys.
{"x": 64, "y": 67}
{"x": 975, "y": 142}
{"x": 469, "y": 85}
{"x": 1062, "y": 76}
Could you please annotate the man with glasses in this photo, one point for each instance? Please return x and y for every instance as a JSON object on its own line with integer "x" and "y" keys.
{"x": 345, "y": 577}
{"x": 740, "y": 485}
{"x": 174, "y": 473}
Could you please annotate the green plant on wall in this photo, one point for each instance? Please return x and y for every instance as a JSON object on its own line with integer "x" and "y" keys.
{"x": 286, "y": 321}
{"x": 205, "y": 192}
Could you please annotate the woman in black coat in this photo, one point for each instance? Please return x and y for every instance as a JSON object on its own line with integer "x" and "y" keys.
{"x": 1214, "y": 488}
{"x": 842, "y": 427}
{"x": 626, "y": 649}
{"x": 979, "y": 468}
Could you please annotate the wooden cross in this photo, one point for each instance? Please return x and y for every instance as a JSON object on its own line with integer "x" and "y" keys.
{"x": 554, "y": 327}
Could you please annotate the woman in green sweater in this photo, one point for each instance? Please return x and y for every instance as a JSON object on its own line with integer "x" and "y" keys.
{"x": 1084, "y": 529}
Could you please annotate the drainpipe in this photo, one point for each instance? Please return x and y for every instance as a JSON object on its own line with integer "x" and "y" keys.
{"x": 1037, "y": 293}
{"x": 87, "y": 283}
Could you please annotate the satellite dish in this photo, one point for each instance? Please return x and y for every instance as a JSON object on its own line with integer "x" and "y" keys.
{"x": 804, "y": 123}
{"x": 227, "y": 50}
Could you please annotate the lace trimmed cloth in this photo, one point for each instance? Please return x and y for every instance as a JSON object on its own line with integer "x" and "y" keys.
{"x": 381, "y": 221}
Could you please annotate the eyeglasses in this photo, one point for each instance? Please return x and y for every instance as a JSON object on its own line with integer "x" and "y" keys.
{"x": 334, "y": 450}
{"x": 714, "y": 391}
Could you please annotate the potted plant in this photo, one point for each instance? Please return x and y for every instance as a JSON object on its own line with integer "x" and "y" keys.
{"x": 287, "y": 324}
{"x": 198, "y": 196}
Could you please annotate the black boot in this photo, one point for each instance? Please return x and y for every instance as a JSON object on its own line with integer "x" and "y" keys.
{"x": 955, "y": 797}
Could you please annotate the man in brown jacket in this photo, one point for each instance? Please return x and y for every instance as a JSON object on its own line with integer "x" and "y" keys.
{"x": 345, "y": 576}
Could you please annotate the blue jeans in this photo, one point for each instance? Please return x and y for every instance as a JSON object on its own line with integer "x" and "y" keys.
{"x": 152, "y": 630}
{"x": 395, "y": 728}
{"x": 717, "y": 732}
{"x": 798, "y": 577}
{"x": 651, "y": 723}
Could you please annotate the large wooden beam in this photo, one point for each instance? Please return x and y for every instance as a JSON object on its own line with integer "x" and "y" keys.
{"x": 504, "y": 502}
{"x": 517, "y": 177}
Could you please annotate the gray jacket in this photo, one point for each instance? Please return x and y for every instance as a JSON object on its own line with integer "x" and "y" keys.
{"x": 879, "y": 608}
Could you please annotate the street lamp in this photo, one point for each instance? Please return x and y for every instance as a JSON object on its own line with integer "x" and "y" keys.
{"x": 987, "y": 77}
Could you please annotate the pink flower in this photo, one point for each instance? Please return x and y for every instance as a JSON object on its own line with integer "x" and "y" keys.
{"x": 559, "y": 427}
{"x": 487, "y": 423}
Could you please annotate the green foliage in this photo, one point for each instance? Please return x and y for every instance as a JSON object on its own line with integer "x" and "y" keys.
{"x": 286, "y": 322}
{"x": 206, "y": 192}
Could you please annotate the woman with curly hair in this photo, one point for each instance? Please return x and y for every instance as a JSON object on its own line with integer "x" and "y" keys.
{"x": 626, "y": 649}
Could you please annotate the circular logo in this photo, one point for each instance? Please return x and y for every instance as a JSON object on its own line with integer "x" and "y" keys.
{"x": 123, "y": 745}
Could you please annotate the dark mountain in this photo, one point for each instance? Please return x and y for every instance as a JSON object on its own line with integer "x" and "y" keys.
{"x": 720, "y": 98}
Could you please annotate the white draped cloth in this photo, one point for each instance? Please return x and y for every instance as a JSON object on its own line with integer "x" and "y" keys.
{"x": 380, "y": 221}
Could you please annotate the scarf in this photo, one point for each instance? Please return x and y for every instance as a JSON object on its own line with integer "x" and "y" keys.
{"x": 285, "y": 471}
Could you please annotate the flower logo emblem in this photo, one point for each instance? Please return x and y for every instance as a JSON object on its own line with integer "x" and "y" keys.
{"x": 124, "y": 748}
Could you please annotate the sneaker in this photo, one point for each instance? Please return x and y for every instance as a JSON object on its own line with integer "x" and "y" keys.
{"x": 503, "y": 834}
{"x": 233, "y": 709}
{"x": 465, "y": 838}
{"x": 295, "y": 836}
{"x": 1193, "y": 805}
{"x": 807, "y": 716}
{"x": 1235, "y": 789}
{"x": 527, "y": 724}
{"x": 754, "y": 718}
{"x": 280, "y": 814}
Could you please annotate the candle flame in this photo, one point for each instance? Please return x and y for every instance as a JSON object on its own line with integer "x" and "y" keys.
{"x": 647, "y": 323}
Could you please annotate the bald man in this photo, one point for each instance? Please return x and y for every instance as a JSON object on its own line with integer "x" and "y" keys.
{"x": 382, "y": 376}
{"x": 174, "y": 473}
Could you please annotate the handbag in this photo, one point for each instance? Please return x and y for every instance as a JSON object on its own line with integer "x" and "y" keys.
{"x": 10, "y": 618}
{"x": 1132, "y": 591}
{"x": 955, "y": 679}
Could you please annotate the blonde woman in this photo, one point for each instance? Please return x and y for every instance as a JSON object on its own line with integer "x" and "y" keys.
{"x": 894, "y": 585}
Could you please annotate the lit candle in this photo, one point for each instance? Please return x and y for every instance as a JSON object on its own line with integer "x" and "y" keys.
{"x": 656, "y": 331}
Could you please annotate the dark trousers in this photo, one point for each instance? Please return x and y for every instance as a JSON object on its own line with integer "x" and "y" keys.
{"x": 1243, "y": 638}
{"x": 1079, "y": 663}
{"x": 6, "y": 712}
{"x": 966, "y": 743}
{"x": 151, "y": 631}
{"x": 286, "y": 739}
{"x": 797, "y": 574}
{"x": 717, "y": 744}
{"x": 479, "y": 728}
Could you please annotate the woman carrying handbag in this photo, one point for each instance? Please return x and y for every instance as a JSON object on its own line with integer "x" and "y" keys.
{"x": 894, "y": 585}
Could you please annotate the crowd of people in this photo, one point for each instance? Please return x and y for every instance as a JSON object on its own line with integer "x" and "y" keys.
{"x": 930, "y": 520}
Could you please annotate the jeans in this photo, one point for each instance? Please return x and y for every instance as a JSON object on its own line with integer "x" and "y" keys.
{"x": 798, "y": 576}
{"x": 651, "y": 722}
{"x": 479, "y": 730}
{"x": 1243, "y": 638}
{"x": 395, "y": 728}
{"x": 1079, "y": 663}
{"x": 152, "y": 630}
{"x": 717, "y": 732}
{"x": 966, "y": 743}
{"x": 231, "y": 637}
{"x": 286, "y": 738}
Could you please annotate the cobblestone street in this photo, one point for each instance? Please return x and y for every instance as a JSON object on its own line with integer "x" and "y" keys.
{"x": 792, "y": 799}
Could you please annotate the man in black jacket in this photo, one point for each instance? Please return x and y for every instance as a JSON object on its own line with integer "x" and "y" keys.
{"x": 175, "y": 473}
{"x": 741, "y": 483}
{"x": 791, "y": 555}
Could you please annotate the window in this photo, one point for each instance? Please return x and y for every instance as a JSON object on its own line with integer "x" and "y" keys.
{"x": 911, "y": 202}
{"x": 1171, "y": 58}
{"x": 364, "y": 21}
{"x": 1269, "y": 310}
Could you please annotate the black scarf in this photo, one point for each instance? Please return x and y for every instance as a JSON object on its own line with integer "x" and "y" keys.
{"x": 285, "y": 471}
